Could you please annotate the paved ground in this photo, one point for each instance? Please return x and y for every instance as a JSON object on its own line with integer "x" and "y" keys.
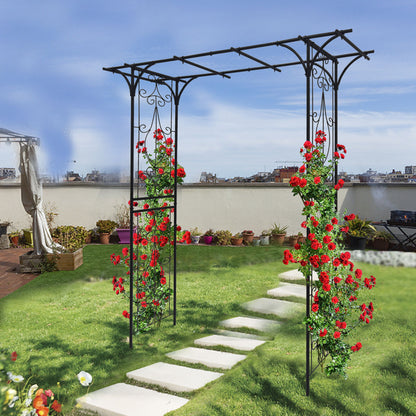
{"x": 10, "y": 279}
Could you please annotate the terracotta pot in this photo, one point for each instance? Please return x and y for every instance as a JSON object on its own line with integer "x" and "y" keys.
{"x": 14, "y": 240}
{"x": 278, "y": 239}
{"x": 381, "y": 244}
{"x": 105, "y": 238}
{"x": 248, "y": 238}
{"x": 293, "y": 239}
{"x": 236, "y": 241}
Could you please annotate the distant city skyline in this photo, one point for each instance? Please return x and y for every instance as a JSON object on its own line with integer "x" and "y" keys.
{"x": 53, "y": 87}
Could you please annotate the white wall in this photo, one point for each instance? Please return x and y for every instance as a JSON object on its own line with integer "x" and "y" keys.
{"x": 234, "y": 207}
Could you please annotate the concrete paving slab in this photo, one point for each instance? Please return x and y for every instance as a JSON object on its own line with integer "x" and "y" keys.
{"x": 126, "y": 400}
{"x": 277, "y": 307}
{"x": 210, "y": 358}
{"x": 174, "y": 377}
{"x": 296, "y": 275}
{"x": 239, "y": 334}
{"x": 242, "y": 344}
{"x": 288, "y": 289}
{"x": 260, "y": 324}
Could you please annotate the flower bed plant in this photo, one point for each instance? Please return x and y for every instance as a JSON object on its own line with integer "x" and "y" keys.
{"x": 336, "y": 309}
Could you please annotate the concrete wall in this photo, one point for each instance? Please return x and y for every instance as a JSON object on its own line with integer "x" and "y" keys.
{"x": 223, "y": 206}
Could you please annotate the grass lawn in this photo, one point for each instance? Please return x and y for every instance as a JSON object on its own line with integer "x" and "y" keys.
{"x": 65, "y": 322}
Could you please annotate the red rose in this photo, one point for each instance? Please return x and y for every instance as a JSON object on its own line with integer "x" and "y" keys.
{"x": 162, "y": 281}
{"x": 327, "y": 239}
{"x": 294, "y": 181}
{"x": 308, "y": 145}
{"x": 125, "y": 251}
{"x": 334, "y": 221}
{"x": 334, "y": 300}
{"x": 161, "y": 171}
{"x": 315, "y": 307}
{"x": 144, "y": 304}
{"x": 323, "y": 332}
{"x": 126, "y": 314}
{"x": 337, "y": 279}
{"x": 317, "y": 179}
{"x": 302, "y": 169}
{"x": 329, "y": 227}
{"x": 326, "y": 287}
{"x": 308, "y": 157}
{"x": 336, "y": 262}
{"x": 13, "y": 357}
{"x": 331, "y": 246}
{"x": 337, "y": 334}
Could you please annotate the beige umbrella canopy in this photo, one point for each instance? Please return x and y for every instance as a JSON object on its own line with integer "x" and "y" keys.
{"x": 31, "y": 189}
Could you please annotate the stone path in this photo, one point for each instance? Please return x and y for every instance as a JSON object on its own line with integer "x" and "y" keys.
{"x": 123, "y": 399}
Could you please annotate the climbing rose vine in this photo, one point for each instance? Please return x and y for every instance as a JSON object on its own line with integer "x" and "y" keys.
{"x": 154, "y": 238}
{"x": 336, "y": 309}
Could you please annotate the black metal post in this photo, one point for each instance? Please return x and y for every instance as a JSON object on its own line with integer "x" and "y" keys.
{"x": 335, "y": 95}
{"x": 175, "y": 196}
{"x": 132, "y": 148}
{"x": 308, "y": 137}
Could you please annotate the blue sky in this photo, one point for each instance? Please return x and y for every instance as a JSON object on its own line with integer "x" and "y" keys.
{"x": 52, "y": 85}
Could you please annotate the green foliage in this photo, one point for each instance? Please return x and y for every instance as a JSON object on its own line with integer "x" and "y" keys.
{"x": 70, "y": 237}
{"x": 122, "y": 216}
{"x": 77, "y": 328}
{"x": 278, "y": 229}
{"x": 336, "y": 309}
{"x": 361, "y": 228}
{"x": 223, "y": 237}
{"x": 106, "y": 226}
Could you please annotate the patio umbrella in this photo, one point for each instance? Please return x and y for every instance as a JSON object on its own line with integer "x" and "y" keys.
{"x": 31, "y": 190}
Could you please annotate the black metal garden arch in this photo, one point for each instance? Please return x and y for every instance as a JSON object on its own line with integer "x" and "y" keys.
{"x": 320, "y": 57}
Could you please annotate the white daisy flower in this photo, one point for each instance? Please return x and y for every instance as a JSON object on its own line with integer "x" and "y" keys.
{"x": 84, "y": 378}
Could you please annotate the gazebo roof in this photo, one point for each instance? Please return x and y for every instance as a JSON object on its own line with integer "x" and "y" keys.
{"x": 9, "y": 136}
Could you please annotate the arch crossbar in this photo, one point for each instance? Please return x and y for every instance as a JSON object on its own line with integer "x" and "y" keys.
{"x": 324, "y": 58}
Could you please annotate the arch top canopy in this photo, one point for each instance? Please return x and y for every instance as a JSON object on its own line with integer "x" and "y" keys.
{"x": 330, "y": 46}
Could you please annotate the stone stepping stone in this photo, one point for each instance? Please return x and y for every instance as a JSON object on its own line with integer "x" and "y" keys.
{"x": 260, "y": 324}
{"x": 288, "y": 289}
{"x": 237, "y": 343}
{"x": 174, "y": 377}
{"x": 296, "y": 275}
{"x": 126, "y": 400}
{"x": 277, "y": 307}
{"x": 238, "y": 334}
{"x": 209, "y": 358}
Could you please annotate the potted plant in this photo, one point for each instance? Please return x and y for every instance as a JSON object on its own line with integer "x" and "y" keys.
{"x": 248, "y": 236}
{"x": 278, "y": 234}
{"x": 381, "y": 240}
{"x": 105, "y": 228}
{"x": 359, "y": 231}
{"x": 208, "y": 236}
{"x": 28, "y": 237}
{"x": 265, "y": 238}
{"x": 14, "y": 238}
{"x": 237, "y": 239}
{"x": 195, "y": 235}
{"x": 293, "y": 239}
{"x": 301, "y": 238}
{"x": 72, "y": 239}
{"x": 223, "y": 237}
{"x": 122, "y": 218}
